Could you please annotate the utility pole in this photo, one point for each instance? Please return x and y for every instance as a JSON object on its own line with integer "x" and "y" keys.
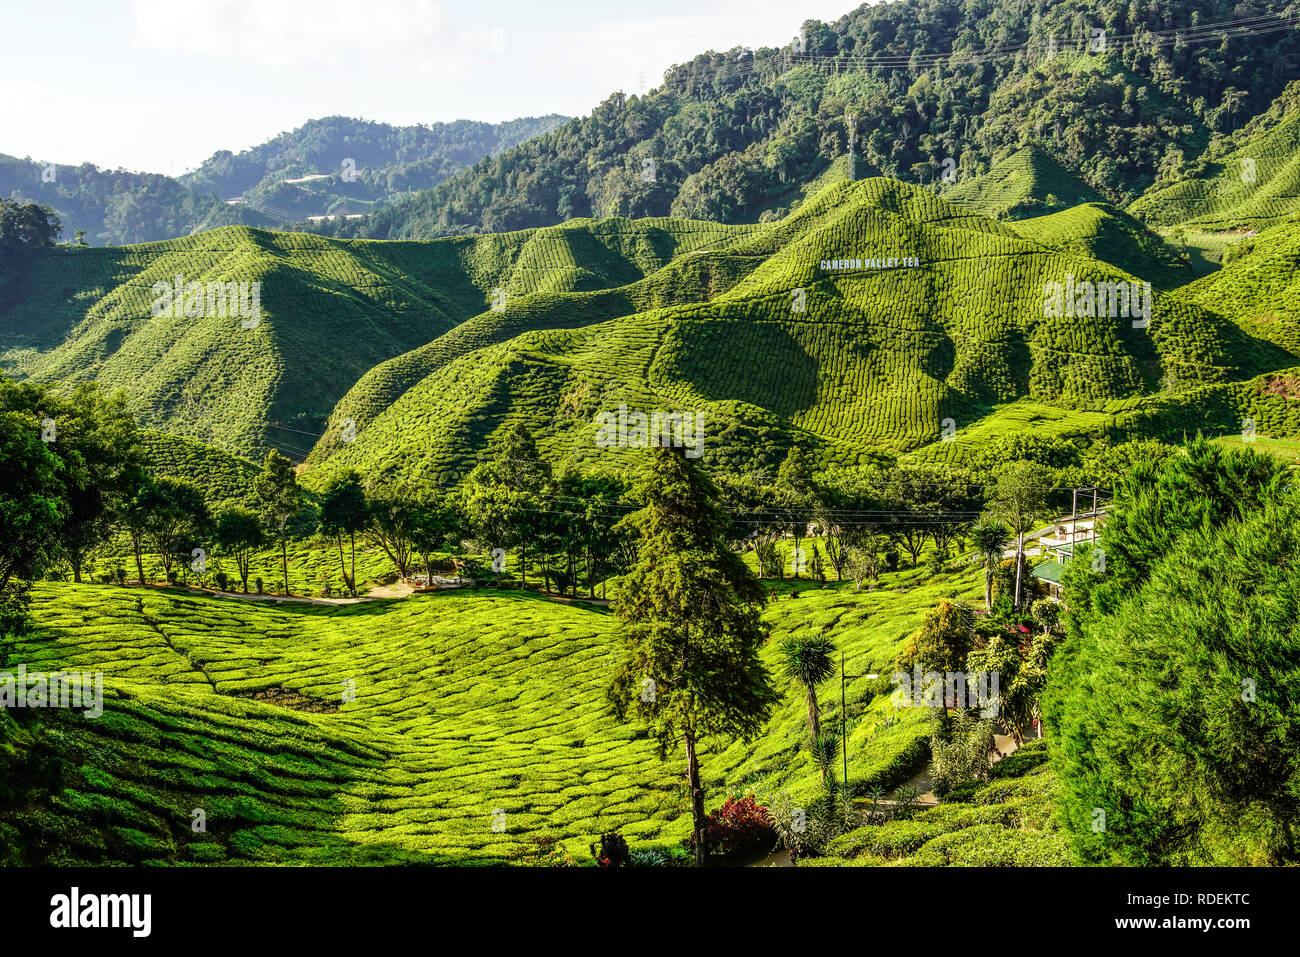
{"x": 1074, "y": 516}
{"x": 844, "y": 724}
{"x": 851, "y": 121}
{"x": 844, "y": 718}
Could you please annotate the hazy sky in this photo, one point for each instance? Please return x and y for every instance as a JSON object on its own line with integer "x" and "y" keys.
{"x": 159, "y": 85}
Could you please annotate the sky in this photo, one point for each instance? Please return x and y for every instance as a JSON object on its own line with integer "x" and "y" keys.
{"x": 160, "y": 85}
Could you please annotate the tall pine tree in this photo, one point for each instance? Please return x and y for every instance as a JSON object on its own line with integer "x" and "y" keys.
{"x": 691, "y": 626}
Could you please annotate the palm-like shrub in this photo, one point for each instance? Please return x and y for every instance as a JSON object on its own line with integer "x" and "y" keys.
{"x": 990, "y": 539}
{"x": 809, "y": 660}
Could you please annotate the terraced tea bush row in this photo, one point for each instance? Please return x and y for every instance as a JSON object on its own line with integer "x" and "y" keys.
{"x": 477, "y": 722}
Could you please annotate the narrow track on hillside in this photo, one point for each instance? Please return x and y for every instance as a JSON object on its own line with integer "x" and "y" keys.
{"x": 171, "y": 645}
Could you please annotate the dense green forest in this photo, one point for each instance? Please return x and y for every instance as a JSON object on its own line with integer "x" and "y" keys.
{"x": 330, "y": 166}
{"x": 733, "y": 134}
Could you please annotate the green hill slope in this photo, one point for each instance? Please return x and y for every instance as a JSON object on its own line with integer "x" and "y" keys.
{"x": 1249, "y": 180}
{"x": 563, "y": 277}
{"x": 1259, "y": 287}
{"x": 329, "y": 311}
{"x": 1100, "y": 231}
{"x": 1029, "y": 182}
{"x": 224, "y": 479}
{"x": 470, "y": 710}
{"x": 873, "y": 365}
{"x": 428, "y": 348}
{"x": 1260, "y": 284}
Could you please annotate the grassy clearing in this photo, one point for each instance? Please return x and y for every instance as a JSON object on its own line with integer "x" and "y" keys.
{"x": 471, "y": 709}
{"x": 1286, "y": 449}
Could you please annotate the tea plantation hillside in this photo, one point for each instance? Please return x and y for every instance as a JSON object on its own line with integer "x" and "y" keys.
{"x": 1260, "y": 284}
{"x": 224, "y": 479}
{"x": 1028, "y": 182}
{"x": 330, "y": 311}
{"x": 1250, "y": 179}
{"x": 580, "y": 273}
{"x": 1261, "y": 281}
{"x": 874, "y": 363}
{"x": 470, "y": 709}
{"x": 1100, "y": 231}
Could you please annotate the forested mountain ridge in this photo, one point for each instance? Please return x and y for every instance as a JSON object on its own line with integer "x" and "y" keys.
{"x": 333, "y": 165}
{"x": 936, "y": 91}
{"x": 342, "y": 166}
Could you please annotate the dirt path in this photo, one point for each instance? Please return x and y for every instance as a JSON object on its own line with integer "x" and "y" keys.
{"x": 1006, "y": 746}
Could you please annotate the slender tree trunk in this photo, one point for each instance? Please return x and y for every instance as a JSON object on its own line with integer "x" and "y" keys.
{"x": 139, "y": 563}
{"x": 988, "y": 587}
{"x": 1020, "y": 556}
{"x": 815, "y": 723}
{"x": 343, "y": 565}
{"x": 353, "y": 583}
{"x": 697, "y": 798}
{"x": 284, "y": 559}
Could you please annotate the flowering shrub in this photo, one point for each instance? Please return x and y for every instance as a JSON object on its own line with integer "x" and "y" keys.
{"x": 739, "y": 827}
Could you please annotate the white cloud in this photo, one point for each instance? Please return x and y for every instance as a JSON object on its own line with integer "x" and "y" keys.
{"x": 287, "y": 33}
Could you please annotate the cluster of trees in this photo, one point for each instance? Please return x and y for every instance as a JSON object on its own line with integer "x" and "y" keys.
{"x": 81, "y": 475}
{"x": 1172, "y": 701}
{"x": 871, "y": 518}
{"x": 1015, "y": 645}
{"x": 691, "y": 625}
{"x": 24, "y": 227}
{"x": 730, "y": 133}
{"x": 81, "y": 480}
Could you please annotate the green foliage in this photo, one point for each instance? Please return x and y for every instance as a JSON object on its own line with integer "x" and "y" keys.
{"x": 343, "y": 513}
{"x": 960, "y": 748}
{"x": 942, "y": 642}
{"x": 734, "y": 134}
{"x": 689, "y": 610}
{"x": 1005, "y": 821}
{"x": 1172, "y": 701}
{"x": 1249, "y": 178}
{"x": 239, "y": 531}
{"x": 25, "y": 227}
{"x": 286, "y": 179}
{"x": 32, "y": 500}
